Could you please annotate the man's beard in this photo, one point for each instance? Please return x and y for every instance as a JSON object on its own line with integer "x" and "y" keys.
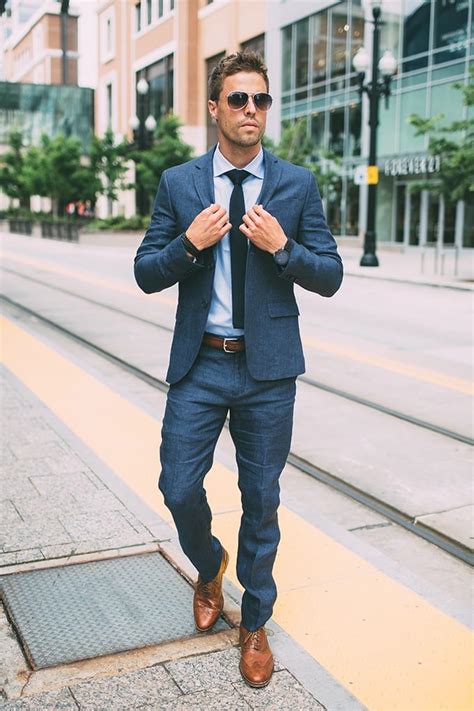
{"x": 244, "y": 141}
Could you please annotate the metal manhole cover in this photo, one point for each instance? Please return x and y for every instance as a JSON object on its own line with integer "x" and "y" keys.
{"x": 86, "y": 610}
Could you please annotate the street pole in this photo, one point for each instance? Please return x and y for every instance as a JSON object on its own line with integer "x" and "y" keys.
{"x": 64, "y": 23}
{"x": 369, "y": 258}
{"x": 375, "y": 89}
{"x": 141, "y": 141}
{"x": 143, "y": 131}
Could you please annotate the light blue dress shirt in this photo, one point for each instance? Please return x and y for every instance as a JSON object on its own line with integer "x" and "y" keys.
{"x": 219, "y": 320}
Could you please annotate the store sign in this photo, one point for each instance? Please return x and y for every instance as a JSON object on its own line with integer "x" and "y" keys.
{"x": 413, "y": 165}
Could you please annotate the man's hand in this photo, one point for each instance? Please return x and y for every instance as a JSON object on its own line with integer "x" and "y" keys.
{"x": 208, "y": 227}
{"x": 263, "y": 229}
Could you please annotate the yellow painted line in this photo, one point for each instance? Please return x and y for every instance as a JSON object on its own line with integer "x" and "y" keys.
{"x": 390, "y": 647}
{"x": 394, "y": 366}
{"x": 433, "y": 377}
{"x": 87, "y": 277}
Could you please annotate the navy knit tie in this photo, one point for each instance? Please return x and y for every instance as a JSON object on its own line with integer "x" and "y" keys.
{"x": 238, "y": 246}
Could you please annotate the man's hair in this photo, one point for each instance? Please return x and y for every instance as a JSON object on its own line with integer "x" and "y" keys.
{"x": 243, "y": 61}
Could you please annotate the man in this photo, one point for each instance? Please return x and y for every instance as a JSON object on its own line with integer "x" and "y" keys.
{"x": 236, "y": 228}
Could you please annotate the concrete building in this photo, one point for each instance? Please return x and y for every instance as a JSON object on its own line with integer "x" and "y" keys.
{"x": 32, "y": 51}
{"x": 308, "y": 47}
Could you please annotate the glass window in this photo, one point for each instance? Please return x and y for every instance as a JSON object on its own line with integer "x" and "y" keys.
{"x": 109, "y": 105}
{"x": 211, "y": 131}
{"x": 44, "y": 108}
{"x": 160, "y": 8}
{"x": 416, "y": 33}
{"x": 148, "y": 12}
{"x": 302, "y": 47}
{"x": 317, "y": 129}
{"x": 355, "y": 124}
{"x": 411, "y": 102}
{"x": 352, "y": 209}
{"x": 159, "y": 99}
{"x": 386, "y": 136}
{"x": 339, "y": 38}
{"x": 356, "y": 40}
{"x": 138, "y": 16}
{"x": 450, "y": 29}
{"x": 447, "y": 100}
{"x": 336, "y": 131}
{"x": 468, "y": 232}
{"x": 256, "y": 44}
{"x": 286, "y": 58}
{"x": 171, "y": 4}
{"x": 320, "y": 43}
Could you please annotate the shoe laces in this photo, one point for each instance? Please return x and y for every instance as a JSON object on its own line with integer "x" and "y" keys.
{"x": 206, "y": 589}
{"x": 255, "y": 639}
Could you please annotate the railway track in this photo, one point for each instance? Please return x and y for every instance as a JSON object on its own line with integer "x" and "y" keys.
{"x": 384, "y": 508}
{"x": 424, "y": 424}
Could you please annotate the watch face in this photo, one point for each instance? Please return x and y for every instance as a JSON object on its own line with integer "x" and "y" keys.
{"x": 281, "y": 257}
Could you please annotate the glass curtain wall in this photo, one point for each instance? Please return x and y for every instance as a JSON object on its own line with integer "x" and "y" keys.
{"x": 432, "y": 41}
{"x": 318, "y": 83}
{"x": 43, "y": 108}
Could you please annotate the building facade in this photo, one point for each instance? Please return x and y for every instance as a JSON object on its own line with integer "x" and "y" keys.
{"x": 308, "y": 47}
{"x": 432, "y": 41}
{"x": 32, "y": 47}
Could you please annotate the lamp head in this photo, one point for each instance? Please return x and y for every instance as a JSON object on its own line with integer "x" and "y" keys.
{"x": 150, "y": 123}
{"x": 134, "y": 123}
{"x": 142, "y": 86}
{"x": 361, "y": 60}
{"x": 387, "y": 64}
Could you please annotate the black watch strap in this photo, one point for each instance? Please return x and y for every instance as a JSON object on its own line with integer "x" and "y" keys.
{"x": 189, "y": 246}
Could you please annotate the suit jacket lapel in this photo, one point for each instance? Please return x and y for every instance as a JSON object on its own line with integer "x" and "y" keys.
{"x": 272, "y": 168}
{"x": 203, "y": 176}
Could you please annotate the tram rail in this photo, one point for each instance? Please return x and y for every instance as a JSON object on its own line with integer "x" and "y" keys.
{"x": 392, "y": 412}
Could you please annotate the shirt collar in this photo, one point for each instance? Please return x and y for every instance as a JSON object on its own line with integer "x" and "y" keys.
{"x": 221, "y": 165}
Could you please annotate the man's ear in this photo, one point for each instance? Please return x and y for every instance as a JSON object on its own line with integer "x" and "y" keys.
{"x": 212, "y": 106}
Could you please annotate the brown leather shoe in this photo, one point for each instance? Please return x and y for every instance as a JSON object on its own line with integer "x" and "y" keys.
{"x": 256, "y": 660}
{"x": 208, "y": 600}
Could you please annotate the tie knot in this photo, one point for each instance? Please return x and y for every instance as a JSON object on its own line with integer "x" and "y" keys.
{"x": 238, "y": 176}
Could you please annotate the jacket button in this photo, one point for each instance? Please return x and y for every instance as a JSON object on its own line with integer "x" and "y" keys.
{"x": 204, "y": 303}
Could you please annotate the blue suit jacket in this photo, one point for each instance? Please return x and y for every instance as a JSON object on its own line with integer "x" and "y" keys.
{"x": 273, "y": 343}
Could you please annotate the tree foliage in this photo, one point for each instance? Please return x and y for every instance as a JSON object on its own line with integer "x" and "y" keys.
{"x": 298, "y": 148}
{"x": 12, "y": 177}
{"x": 108, "y": 163}
{"x": 455, "y": 144}
{"x": 167, "y": 151}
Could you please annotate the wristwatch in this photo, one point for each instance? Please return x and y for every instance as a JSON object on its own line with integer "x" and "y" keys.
{"x": 281, "y": 256}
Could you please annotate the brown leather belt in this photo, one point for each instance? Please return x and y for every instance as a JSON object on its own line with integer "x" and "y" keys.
{"x": 229, "y": 345}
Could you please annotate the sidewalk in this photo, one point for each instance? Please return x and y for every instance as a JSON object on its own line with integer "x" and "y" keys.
{"x": 414, "y": 266}
{"x": 56, "y": 510}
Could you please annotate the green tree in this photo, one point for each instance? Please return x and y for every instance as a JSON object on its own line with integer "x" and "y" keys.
{"x": 55, "y": 169}
{"x": 167, "y": 151}
{"x": 454, "y": 143}
{"x": 108, "y": 163}
{"x": 12, "y": 177}
{"x": 298, "y": 148}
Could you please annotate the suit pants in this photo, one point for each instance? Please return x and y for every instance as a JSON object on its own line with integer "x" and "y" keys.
{"x": 261, "y": 421}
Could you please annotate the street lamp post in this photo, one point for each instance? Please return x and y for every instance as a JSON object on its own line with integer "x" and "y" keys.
{"x": 376, "y": 88}
{"x": 143, "y": 129}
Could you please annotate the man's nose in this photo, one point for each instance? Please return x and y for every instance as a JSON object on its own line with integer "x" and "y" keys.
{"x": 250, "y": 107}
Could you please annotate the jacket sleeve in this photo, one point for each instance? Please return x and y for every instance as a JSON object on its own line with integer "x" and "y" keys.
{"x": 314, "y": 261}
{"x": 161, "y": 259}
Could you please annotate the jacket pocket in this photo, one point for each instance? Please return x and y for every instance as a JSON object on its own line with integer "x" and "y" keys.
{"x": 276, "y": 309}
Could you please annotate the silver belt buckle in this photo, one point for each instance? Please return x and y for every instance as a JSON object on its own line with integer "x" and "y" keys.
{"x": 224, "y": 344}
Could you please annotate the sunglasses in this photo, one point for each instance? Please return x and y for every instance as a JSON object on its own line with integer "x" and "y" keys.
{"x": 239, "y": 100}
